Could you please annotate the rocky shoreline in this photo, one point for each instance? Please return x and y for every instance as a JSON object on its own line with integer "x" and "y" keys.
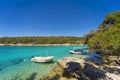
{"x": 71, "y": 68}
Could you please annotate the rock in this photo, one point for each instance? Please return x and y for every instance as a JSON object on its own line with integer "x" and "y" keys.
{"x": 113, "y": 76}
{"x": 71, "y": 69}
{"x": 114, "y": 58}
{"x": 63, "y": 78}
{"x": 117, "y": 62}
{"x": 93, "y": 73}
{"x": 88, "y": 72}
{"x": 56, "y": 77}
{"x": 112, "y": 70}
{"x": 63, "y": 62}
{"x": 111, "y": 60}
{"x": 78, "y": 69}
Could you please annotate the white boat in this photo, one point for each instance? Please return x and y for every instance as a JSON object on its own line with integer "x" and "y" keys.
{"x": 42, "y": 59}
{"x": 76, "y": 51}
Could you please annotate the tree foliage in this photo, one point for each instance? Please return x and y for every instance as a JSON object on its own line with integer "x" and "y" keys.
{"x": 107, "y": 36}
{"x": 41, "y": 40}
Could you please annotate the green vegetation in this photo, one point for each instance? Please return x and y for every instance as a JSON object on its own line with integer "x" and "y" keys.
{"x": 106, "y": 39}
{"x": 42, "y": 40}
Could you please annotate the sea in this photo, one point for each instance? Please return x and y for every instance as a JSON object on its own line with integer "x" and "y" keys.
{"x": 16, "y": 64}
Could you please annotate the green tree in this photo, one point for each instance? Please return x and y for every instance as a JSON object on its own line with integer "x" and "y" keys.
{"x": 107, "y": 38}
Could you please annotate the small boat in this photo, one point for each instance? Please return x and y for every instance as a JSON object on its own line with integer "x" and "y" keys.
{"x": 76, "y": 51}
{"x": 42, "y": 59}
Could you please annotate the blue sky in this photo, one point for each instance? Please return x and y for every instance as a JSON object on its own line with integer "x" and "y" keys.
{"x": 53, "y": 17}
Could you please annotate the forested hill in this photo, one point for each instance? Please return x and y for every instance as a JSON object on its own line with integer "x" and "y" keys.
{"x": 42, "y": 40}
{"x": 106, "y": 38}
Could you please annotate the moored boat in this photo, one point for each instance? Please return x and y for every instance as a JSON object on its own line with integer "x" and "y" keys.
{"x": 42, "y": 59}
{"x": 76, "y": 51}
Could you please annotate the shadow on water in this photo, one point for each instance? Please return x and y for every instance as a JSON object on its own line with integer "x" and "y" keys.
{"x": 16, "y": 61}
{"x": 17, "y": 78}
{"x": 32, "y": 77}
{"x": 11, "y": 63}
{"x": 50, "y": 62}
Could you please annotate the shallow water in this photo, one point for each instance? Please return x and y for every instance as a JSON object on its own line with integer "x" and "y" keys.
{"x": 15, "y": 63}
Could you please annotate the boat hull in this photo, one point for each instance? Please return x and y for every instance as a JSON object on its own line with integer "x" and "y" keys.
{"x": 42, "y": 59}
{"x": 72, "y": 52}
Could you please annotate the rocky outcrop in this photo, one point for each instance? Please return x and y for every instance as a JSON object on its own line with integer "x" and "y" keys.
{"x": 111, "y": 60}
{"x": 89, "y": 72}
{"x": 93, "y": 73}
{"x": 78, "y": 69}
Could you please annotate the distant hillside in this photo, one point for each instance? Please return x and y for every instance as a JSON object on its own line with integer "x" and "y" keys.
{"x": 106, "y": 39}
{"x": 42, "y": 40}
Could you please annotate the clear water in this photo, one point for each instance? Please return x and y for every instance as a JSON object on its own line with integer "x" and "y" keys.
{"x": 15, "y": 63}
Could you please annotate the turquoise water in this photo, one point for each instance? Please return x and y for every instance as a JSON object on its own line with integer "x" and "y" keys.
{"x": 15, "y": 63}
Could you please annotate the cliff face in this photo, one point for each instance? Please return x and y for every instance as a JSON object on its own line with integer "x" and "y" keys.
{"x": 80, "y": 69}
